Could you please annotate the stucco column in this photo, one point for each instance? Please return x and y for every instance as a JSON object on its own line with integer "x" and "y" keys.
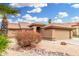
{"x": 34, "y": 28}
{"x": 70, "y": 34}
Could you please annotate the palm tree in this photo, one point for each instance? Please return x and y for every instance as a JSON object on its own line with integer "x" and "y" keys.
{"x": 49, "y": 21}
{"x": 4, "y": 11}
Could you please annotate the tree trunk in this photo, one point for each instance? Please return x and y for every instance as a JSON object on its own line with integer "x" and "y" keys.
{"x": 19, "y": 26}
{"x": 4, "y": 26}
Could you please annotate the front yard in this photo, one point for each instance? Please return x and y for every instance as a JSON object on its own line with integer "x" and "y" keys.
{"x": 45, "y": 48}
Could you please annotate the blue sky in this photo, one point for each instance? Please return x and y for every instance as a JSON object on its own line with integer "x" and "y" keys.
{"x": 41, "y": 12}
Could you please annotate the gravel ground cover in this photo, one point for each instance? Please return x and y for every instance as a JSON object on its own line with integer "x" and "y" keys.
{"x": 14, "y": 50}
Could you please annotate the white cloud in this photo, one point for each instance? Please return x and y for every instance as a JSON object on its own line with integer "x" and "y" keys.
{"x": 18, "y": 14}
{"x": 15, "y": 5}
{"x": 11, "y": 20}
{"x": 75, "y": 5}
{"x": 29, "y": 4}
{"x": 75, "y": 19}
{"x": 28, "y": 17}
{"x": 59, "y": 16}
{"x": 37, "y": 6}
{"x": 58, "y": 21}
{"x": 42, "y": 19}
{"x": 18, "y": 20}
{"x": 56, "y": 17}
{"x": 62, "y": 14}
{"x": 36, "y": 10}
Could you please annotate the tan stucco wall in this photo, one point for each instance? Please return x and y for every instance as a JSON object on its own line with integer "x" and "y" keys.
{"x": 61, "y": 34}
{"x": 56, "y": 34}
{"x": 47, "y": 34}
{"x": 76, "y": 30}
{"x": 34, "y": 28}
{"x": 50, "y": 34}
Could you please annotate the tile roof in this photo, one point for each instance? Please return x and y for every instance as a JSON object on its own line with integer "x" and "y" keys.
{"x": 57, "y": 26}
{"x": 37, "y": 24}
{"x": 16, "y": 25}
{"x": 71, "y": 24}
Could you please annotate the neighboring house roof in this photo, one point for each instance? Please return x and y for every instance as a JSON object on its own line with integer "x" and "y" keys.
{"x": 23, "y": 25}
{"x": 72, "y": 24}
{"x": 57, "y": 26}
{"x": 37, "y": 24}
{"x": 76, "y": 24}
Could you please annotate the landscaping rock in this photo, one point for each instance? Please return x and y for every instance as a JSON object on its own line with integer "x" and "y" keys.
{"x": 63, "y": 43}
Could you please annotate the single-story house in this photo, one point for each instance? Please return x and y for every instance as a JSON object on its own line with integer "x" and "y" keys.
{"x": 53, "y": 31}
{"x": 48, "y": 31}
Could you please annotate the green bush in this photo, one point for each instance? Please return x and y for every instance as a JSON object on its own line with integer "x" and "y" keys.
{"x": 3, "y": 43}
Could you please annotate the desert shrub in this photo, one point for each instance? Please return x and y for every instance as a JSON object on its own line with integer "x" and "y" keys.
{"x": 3, "y": 43}
{"x": 27, "y": 38}
{"x": 63, "y": 43}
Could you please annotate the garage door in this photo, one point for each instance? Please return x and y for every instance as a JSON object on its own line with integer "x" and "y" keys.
{"x": 61, "y": 34}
